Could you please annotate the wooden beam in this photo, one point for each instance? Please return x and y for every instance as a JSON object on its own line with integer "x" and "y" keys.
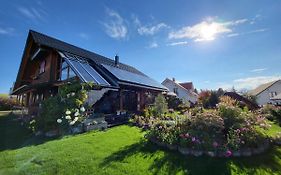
{"x": 121, "y": 99}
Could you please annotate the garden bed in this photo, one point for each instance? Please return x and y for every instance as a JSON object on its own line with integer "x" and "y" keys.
{"x": 246, "y": 152}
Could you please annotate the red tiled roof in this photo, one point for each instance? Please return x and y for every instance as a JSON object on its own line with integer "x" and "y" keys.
{"x": 187, "y": 85}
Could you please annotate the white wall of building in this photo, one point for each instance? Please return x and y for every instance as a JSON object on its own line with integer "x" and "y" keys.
{"x": 182, "y": 93}
{"x": 264, "y": 97}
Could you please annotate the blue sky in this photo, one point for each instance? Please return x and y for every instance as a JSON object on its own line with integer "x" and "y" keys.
{"x": 212, "y": 43}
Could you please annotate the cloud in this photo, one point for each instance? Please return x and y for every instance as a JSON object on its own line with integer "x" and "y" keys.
{"x": 84, "y": 36}
{"x": 233, "y": 34}
{"x": 258, "y": 70}
{"x": 153, "y": 45}
{"x": 148, "y": 29}
{"x": 33, "y": 13}
{"x": 258, "y": 30}
{"x": 249, "y": 32}
{"x": 255, "y": 19}
{"x": 236, "y": 22}
{"x": 203, "y": 31}
{"x": 248, "y": 82}
{"x": 115, "y": 26}
{"x": 6, "y": 31}
{"x": 177, "y": 43}
{"x": 151, "y": 30}
{"x": 206, "y": 30}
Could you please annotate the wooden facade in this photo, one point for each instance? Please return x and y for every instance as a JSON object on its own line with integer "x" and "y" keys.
{"x": 40, "y": 75}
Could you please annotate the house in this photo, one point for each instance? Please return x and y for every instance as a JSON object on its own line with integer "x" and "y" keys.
{"x": 184, "y": 91}
{"x": 47, "y": 63}
{"x": 276, "y": 100}
{"x": 265, "y": 92}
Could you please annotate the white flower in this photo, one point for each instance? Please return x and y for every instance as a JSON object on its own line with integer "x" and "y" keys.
{"x": 59, "y": 120}
{"x": 72, "y": 122}
{"x": 67, "y": 112}
{"x": 67, "y": 117}
{"x": 75, "y": 119}
{"x": 82, "y": 109}
{"x": 68, "y": 95}
{"x": 76, "y": 114}
{"x": 73, "y": 93}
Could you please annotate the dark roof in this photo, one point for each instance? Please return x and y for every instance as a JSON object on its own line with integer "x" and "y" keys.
{"x": 48, "y": 41}
{"x": 251, "y": 105}
{"x": 124, "y": 73}
{"x": 187, "y": 85}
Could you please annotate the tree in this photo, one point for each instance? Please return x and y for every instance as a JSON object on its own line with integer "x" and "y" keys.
{"x": 160, "y": 105}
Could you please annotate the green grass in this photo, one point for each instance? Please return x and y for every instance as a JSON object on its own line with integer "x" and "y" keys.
{"x": 119, "y": 150}
{"x": 274, "y": 129}
{"x": 4, "y": 95}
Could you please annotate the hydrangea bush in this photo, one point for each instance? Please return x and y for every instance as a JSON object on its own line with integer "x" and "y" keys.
{"x": 65, "y": 109}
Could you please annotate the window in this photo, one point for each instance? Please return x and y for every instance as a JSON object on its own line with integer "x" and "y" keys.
{"x": 176, "y": 91}
{"x": 66, "y": 72}
{"x": 42, "y": 67}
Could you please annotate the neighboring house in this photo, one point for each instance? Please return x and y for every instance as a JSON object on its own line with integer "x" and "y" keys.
{"x": 48, "y": 63}
{"x": 276, "y": 100}
{"x": 265, "y": 92}
{"x": 185, "y": 94}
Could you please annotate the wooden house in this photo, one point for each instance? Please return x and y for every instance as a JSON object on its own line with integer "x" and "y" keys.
{"x": 48, "y": 63}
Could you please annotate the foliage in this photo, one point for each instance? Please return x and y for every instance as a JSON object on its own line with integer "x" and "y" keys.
{"x": 226, "y": 128}
{"x": 8, "y": 103}
{"x": 276, "y": 115}
{"x": 173, "y": 102}
{"x": 65, "y": 108}
{"x": 160, "y": 105}
{"x": 209, "y": 99}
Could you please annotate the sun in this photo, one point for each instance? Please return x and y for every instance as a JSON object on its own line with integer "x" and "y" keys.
{"x": 208, "y": 31}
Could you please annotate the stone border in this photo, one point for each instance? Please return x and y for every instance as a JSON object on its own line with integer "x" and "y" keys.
{"x": 239, "y": 153}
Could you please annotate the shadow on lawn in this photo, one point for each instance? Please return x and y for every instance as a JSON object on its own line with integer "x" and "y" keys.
{"x": 13, "y": 135}
{"x": 170, "y": 162}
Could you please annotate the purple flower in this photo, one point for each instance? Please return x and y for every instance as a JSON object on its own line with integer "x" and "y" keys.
{"x": 193, "y": 139}
{"x": 228, "y": 153}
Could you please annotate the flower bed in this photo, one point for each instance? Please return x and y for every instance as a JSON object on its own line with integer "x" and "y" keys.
{"x": 228, "y": 153}
{"x": 223, "y": 132}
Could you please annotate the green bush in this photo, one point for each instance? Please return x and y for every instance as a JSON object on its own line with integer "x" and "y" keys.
{"x": 160, "y": 105}
{"x": 65, "y": 108}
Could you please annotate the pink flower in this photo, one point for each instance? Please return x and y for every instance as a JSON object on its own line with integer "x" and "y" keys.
{"x": 182, "y": 135}
{"x": 186, "y": 135}
{"x": 228, "y": 153}
{"x": 215, "y": 144}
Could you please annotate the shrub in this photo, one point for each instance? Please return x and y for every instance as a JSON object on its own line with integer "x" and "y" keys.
{"x": 64, "y": 109}
{"x": 160, "y": 105}
{"x": 8, "y": 103}
{"x": 276, "y": 114}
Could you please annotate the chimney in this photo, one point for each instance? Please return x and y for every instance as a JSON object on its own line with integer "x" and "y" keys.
{"x": 174, "y": 80}
{"x": 116, "y": 60}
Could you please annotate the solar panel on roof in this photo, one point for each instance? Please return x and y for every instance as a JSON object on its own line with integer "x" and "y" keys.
{"x": 84, "y": 70}
{"x": 132, "y": 77}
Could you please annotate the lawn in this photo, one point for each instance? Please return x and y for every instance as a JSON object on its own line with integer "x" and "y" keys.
{"x": 119, "y": 150}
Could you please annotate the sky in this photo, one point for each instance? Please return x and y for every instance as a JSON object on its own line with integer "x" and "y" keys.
{"x": 211, "y": 43}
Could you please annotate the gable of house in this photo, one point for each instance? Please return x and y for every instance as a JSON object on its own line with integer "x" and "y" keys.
{"x": 265, "y": 92}
{"x": 181, "y": 92}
